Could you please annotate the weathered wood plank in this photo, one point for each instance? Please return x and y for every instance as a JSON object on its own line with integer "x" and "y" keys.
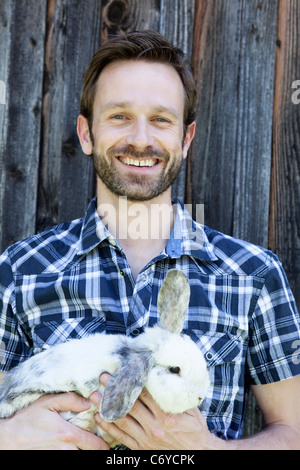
{"x": 5, "y": 21}
{"x": 211, "y": 165}
{"x": 230, "y": 164}
{"x": 285, "y": 190}
{"x": 82, "y": 40}
{"x": 254, "y": 420}
{"x": 120, "y": 16}
{"x": 255, "y": 112}
{"x": 176, "y": 24}
{"x": 74, "y": 37}
{"x": 53, "y": 102}
{"x": 26, "y": 56}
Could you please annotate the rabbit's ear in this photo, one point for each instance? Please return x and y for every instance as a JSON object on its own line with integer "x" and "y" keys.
{"x": 173, "y": 301}
{"x": 124, "y": 387}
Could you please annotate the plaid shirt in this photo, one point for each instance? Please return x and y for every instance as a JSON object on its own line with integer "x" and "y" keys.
{"x": 74, "y": 280}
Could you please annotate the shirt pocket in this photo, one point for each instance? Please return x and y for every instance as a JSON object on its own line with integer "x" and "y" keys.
{"x": 225, "y": 358}
{"x": 219, "y": 348}
{"x": 49, "y": 333}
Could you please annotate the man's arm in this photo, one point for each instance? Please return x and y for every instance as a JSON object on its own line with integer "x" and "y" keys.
{"x": 279, "y": 403}
{"x": 147, "y": 427}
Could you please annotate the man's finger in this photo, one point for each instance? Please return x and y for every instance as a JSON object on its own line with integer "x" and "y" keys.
{"x": 104, "y": 378}
{"x": 69, "y": 401}
{"x": 95, "y": 398}
{"x": 88, "y": 441}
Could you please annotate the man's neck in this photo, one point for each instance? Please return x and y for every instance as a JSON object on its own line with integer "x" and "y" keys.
{"x": 142, "y": 228}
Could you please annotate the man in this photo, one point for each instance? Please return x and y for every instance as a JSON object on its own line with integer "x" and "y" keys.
{"x": 103, "y": 273}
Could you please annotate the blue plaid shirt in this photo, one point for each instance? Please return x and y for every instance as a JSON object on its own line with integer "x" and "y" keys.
{"x": 74, "y": 280}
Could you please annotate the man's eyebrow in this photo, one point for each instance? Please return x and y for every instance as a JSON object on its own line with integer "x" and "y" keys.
{"x": 166, "y": 109}
{"x": 114, "y": 105}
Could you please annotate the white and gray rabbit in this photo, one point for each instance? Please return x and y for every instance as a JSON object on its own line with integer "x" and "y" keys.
{"x": 161, "y": 359}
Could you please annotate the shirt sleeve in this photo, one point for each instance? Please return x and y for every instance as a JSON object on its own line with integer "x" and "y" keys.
{"x": 14, "y": 346}
{"x": 274, "y": 336}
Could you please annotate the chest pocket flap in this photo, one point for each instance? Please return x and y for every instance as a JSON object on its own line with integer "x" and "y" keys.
{"x": 218, "y": 348}
{"x": 49, "y": 333}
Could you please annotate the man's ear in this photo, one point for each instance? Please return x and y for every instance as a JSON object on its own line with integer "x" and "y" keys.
{"x": 84, "y": 135}
{"x": 189, "y": 135}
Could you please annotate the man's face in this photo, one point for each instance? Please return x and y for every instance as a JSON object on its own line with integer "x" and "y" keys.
{"x": 137, "y": 133}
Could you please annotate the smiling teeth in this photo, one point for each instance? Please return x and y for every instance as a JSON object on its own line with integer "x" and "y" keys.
{"x": 131, "y": 161}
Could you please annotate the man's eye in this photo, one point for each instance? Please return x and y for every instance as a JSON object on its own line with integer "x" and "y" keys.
{"x": 118, "y": 116}
{"x": 161, "y": 120}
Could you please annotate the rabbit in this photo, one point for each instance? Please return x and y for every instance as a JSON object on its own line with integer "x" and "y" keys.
{"x": 161, "y": 359}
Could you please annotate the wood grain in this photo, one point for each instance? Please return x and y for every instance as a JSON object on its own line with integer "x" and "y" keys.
{"x": 176, "y": 24}
{"x": 120, "y": 16}
{"x": 284, "y": 237}
{"x": 66, "y": 174}
{"x": 53, "y": 102}
{"x": 25, "y": 78}
{"x": 77, "y": 174}
{"x": 231, "y": 157}
{"x": 5, "y": 43}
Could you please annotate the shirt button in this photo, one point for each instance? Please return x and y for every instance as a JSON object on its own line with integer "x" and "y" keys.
{"x": 122, "y": 272}
{"x": 209, "y": 356}
{"x": 135, "y": 332}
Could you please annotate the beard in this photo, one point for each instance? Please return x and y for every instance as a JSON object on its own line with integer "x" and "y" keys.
{"x": 136, "y": 187}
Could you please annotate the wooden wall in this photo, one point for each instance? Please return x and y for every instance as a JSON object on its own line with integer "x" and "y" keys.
{"x": 244, "y": 165}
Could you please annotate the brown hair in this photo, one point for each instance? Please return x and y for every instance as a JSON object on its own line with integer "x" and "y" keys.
{"x": 149, "y": 46}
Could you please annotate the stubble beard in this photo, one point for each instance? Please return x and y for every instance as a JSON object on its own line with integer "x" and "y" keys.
{"x": 136, "y": 187}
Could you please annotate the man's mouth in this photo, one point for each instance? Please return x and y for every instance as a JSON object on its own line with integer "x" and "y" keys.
{"x": 148, "y": 162}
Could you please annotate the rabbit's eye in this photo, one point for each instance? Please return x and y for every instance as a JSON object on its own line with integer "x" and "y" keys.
{"x": 174, "y": 370}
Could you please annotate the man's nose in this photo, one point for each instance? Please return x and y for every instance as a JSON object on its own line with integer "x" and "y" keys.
{"x": 140, "y": 135}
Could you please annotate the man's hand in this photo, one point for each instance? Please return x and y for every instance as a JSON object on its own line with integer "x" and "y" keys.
{"x": 147, "y": 427}
{"x": 40, "y": 427}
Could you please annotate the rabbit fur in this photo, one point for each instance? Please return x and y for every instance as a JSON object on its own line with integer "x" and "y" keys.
{"x": 150, "y": 360}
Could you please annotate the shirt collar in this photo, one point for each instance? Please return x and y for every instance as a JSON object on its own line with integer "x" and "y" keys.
{"x": 187, "y": 237}
{"x": 93, "y": 230}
